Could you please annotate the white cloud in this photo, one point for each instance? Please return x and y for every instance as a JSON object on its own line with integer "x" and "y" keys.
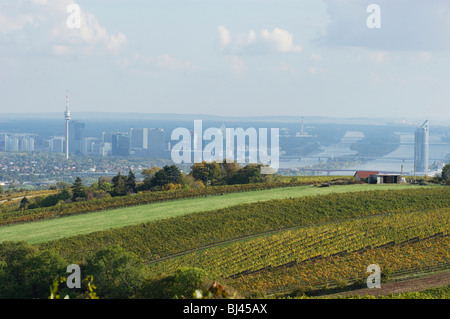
{"x": 13, "y": 21}
{"x": 61, "y": 49}
{"x": 237, "y": 64}
{"x": 313, "y": 70}
{"x": 277, "y": 40}
{"x": 423, "y": 57}
{"x": 163, "y": 61}
{"x": 316, "y": 57}
{"x": 246, "y": 39}
{"x": 41, "y": 2}
{"x": 281, "y": 40}
{"x": 379, "y": 57}
{"x": 224, "y": 37}
{"x": 419, "y": 25}
{"x": 44, "y": 24}
{"x": 285, "y": 68}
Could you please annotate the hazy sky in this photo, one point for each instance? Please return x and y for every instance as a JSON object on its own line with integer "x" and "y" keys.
{"x": 227, "y": 57}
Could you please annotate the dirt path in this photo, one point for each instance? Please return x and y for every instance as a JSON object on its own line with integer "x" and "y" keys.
{"x": 412, "y": 285}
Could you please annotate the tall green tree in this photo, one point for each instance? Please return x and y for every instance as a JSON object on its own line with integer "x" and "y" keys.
{"x": 446, "y": 174}
{"x": 200, "y": 172}
{"x": 78, "y": 190}
{"x": 169, "y": 174}
{"x": 208, "y": 173}
{"x": 131, "y": 182}
{"x": 24, "y": 203}
{"x": 150, "y": 172}
{"x": 105, "y": 184}
{"x": 119, "y": 184}
{"x": 26, "y": 272}
{"x": 229, "y": 169}
{"x": 248, "y": 174}
{"x": 117, "y": 272}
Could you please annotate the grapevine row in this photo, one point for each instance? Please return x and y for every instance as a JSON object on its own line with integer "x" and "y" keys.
{"x": 170, "y": 236}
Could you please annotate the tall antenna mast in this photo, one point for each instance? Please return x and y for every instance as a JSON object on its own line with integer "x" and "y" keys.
{"x": 67, "y": 117}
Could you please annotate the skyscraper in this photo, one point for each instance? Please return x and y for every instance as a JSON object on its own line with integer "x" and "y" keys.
{"x": 57, "y": 144}
{"x": 19, "y": 142}
{"x": 156, "y": 142}
{"x": 67, "y": 117}
{"x": 421, "y": 148}
{"x": 76, "y": 129}
{"x": 139, "y": 138}
{"x": 11, "y": 143}
{"x": 120, "y": 144}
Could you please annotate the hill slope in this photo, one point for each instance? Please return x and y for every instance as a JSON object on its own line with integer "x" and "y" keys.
{"x": 57, "y": 228}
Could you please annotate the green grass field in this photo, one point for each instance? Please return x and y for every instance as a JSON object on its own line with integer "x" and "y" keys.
{"x": 47, "y": 230}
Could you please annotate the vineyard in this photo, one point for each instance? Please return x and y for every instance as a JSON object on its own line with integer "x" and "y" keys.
{"x": 350, "y": 267}
{"x": 255, "y": 247}
{"x": 431, "y": 293}
{"x": 261, "y": 246}
{"x": 311, "y": 242}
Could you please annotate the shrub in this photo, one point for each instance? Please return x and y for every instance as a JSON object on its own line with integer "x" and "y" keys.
{"x": 187, "y": 281}
{"x": 26, "y": 272}
{"x": 182, "y": 284}
{"x": 118, "y": 273}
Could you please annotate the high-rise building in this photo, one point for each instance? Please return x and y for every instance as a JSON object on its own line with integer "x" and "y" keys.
{"x": 19, "y": 142}
{"x": 67, "y": 118}
{"x": 120, "y": 144}
{"x": 26, "y": 144}
{"x": 421, "y": 148}
{"x": 106, "y": 137}
{"x": 11, "y": 143}
{"x": 57, "y": 144}
{"x": 88, "y": 145}
{"x": 139, "y": 138}
{"x": 76, "y": 130}
{"x": 156, "y": 142}
{"x": 102, "y": 149}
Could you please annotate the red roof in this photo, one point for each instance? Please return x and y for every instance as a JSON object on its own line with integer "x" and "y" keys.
{"x": 365, "y": 174}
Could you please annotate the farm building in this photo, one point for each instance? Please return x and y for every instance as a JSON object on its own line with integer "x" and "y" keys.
{"x": 386, "y": 179}
{"x": 364, "y": 175}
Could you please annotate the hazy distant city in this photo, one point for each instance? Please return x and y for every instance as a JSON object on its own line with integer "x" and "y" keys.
{"x": 107, "y": 144}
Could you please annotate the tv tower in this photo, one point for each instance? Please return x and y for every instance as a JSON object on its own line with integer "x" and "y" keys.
{"x": 67, "y": 117}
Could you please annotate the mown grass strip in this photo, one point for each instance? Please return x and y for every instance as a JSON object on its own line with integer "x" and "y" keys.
{"x": 47, "y": 230}
{"x": 168, "y": 236}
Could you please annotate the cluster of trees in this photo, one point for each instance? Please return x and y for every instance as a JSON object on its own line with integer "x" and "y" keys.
{"x": 213, "y": 173}
{"x": 155, "y": 179}
{"x": 27, "y": 272}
